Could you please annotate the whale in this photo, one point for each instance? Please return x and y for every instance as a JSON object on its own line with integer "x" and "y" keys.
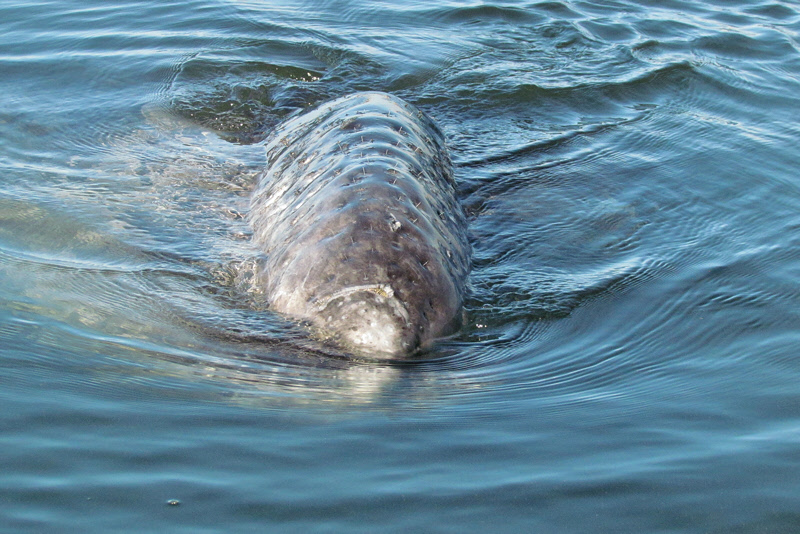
{"x": 359, "y": 229}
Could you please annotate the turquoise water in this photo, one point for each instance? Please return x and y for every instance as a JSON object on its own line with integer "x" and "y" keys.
{"x": 630, "y": 361}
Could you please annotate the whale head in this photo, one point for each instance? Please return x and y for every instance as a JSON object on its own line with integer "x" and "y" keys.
{"x": 368, "y": 321}
{"x": 362, "y": 234}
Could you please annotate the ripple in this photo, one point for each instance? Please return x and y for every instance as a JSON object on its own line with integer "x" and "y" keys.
{"x": 774, "y": 11}
{"x": 601, "y": 154}
{"x": 491, "y": 13}
{"x": 763, "y": 45}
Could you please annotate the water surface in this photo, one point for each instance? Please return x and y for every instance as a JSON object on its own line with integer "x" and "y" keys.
{"x": 629, "y": 364}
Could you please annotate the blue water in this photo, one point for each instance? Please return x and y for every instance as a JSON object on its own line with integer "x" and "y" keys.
{"x": 630, "y": 361}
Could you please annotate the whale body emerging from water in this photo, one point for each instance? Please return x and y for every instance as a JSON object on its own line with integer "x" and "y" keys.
{"x": 362, "y": 234}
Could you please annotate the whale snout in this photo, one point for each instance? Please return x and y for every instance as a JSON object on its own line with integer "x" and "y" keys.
{"x": 369, "y": 321}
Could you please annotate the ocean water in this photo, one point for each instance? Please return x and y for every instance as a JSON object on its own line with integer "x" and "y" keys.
{"x": 631, "y": 358}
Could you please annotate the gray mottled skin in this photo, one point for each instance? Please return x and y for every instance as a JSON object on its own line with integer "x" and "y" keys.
{"x": 362, "y": 232}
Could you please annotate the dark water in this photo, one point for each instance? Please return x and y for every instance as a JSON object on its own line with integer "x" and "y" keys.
{"x": 630, "y": 364}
